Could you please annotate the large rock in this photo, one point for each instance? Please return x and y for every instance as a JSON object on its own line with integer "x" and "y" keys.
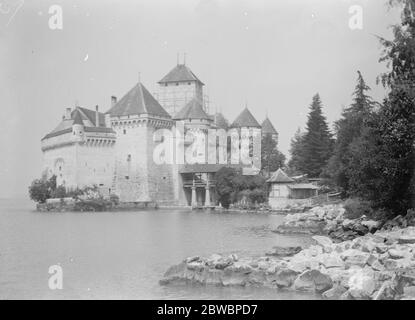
{"x": 283, "y": 251}
{"x": 284, "y": 278}
{"x": 353, "y": 257}
{"x": 331, "y": 260}
{"x": 406, "y": 239}
{"x": 174, "y": 273}
{"x": 313, "y": 281}
{"x": 361, "y": 285}
{"x": 334, "y": 293}
{"x": 323, "y": 241}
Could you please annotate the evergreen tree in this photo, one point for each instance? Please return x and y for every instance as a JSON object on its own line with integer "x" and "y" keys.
{"x": 296, "y": 152}
{"x": 348, "y": 129}
{"x": 271, "y": 157}
{"x": 318, "y": 142}
{"x": 383, "y": 162}
{"x": 383, "y": 166}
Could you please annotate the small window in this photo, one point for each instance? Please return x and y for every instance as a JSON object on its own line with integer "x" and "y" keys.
{"x": 124, "y": 131}
{"x": 189, "y": 83}
{"x": 177, "y": 83}
{"x": 129, "y": 157}
{"x": 101, "y": 184}
{"x": 60, "y": 168}
{"x": 165, "y": 84}
{"x": 127, "y": 177}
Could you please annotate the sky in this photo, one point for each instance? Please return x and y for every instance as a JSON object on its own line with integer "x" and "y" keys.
{"x": 272, "y": 56}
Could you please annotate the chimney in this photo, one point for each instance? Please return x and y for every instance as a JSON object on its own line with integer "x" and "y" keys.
{"x": 113, "y": 100}
{"x": 67, "y": 114}
{"x": 96, "y": 116}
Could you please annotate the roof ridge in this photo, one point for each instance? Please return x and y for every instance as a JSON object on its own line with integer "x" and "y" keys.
{"x": 142, "y": 97}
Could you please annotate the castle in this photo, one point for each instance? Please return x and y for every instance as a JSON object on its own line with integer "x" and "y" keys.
{"x": 115, "y": 150}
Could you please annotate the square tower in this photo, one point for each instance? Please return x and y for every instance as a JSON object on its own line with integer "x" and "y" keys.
{"x": 179, "y": 87}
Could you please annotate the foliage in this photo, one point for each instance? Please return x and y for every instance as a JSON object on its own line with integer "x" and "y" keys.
{"x": 224, "y": 185}
{"x": 59, "y": 192}
{"x": 384, "y": 157}
{"x": 41, "y": 189}
{"x": 311, "y": 151}
{"x": 355, "y": 208}
{"x": 232, "y": 186}
{"x": 348, "y": 129}
{"x": 271, "y": 157}
{"x": 296, "y": 148}
{"x": 114, "y": 199}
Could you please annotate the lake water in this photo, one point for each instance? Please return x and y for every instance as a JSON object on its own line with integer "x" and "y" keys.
{"x": 123, "y": 255}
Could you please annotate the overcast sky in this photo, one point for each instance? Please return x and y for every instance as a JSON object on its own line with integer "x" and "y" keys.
{"x": 272, "y": 55}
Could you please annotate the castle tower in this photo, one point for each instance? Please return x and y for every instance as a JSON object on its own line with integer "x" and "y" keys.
{"x": 248, "y": 130}
{"x": 135, "y": 118}
{"x": 79, "y": 151}
{"x": 179, "y": 87}
{"x": 268, "y": 129}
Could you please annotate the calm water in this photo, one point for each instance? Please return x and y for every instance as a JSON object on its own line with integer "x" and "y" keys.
{"x": 123, "y": 255}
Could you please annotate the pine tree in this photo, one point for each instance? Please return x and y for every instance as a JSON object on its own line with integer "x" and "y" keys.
{"x": 271, "y": 157}
{"x": 296, "y": 152}
{"x": 383, "y": 167}
{"x": 318, "y": 141}
{"x": 348, "y": 129}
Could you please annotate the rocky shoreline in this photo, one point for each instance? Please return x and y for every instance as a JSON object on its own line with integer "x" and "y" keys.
{"x": 375, "y": 264}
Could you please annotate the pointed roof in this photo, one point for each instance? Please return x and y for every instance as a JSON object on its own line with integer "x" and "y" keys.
{"x": 180, "y": 73}
{"x": 192, "y": 110}
{"x": 221, "y": 121}
{"x": 267, "y": 127}
{"x": 82, "y": 116}
{"x": 138, "y": 101}
{"x": 280, "y": 176}
{"x": 77, "y": 118}
{"x": 245, "y": 119}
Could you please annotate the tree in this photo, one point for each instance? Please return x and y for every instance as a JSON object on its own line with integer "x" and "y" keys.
{"x": 232, "y": 185}
{"x": 41, "y": 189}
{"x": 348, "y": 129}
{"x": 318, "y": 143}
{"x": 271, "y": 157}
{"x": 296, "y": 151}
{"x": 225, "y": 185}
{"x": 383, "y": 165}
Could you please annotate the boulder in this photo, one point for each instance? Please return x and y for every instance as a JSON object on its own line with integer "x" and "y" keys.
{"x": 174, "y": 273}
{"x": 283, "y": 251}
{"x": 361, "y": 285}
{"x": 399, "y": 254}
{"x": 371, "y": 224}
{"x": 406, "y": 239}
{"x": 331, "y": 260}
{"x": 355, "y": 257}
{"x": 284, "y": 278}
{"x": 313, "y": 281}
{"x": 334, "y": 293}
{"x": 323, "y": 241}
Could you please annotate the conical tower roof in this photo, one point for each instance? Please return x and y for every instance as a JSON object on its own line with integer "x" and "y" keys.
{"x": 180, "y": 73}
{"x": 138, "y": 101}
{"x": 245, "y": 119}
{"x": 192, "y": 110}
{"x": 267, "y": 127}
